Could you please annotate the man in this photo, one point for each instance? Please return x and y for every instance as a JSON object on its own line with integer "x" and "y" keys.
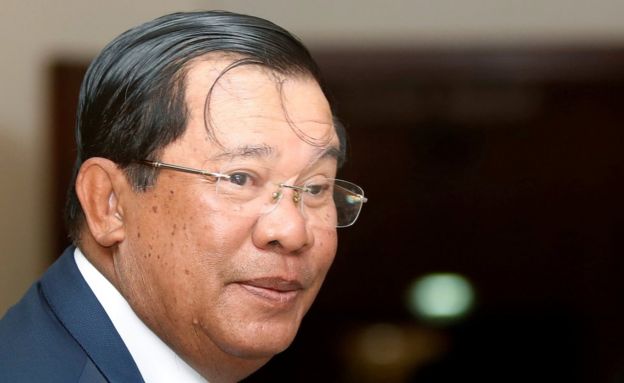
{"x": 203, "y": 209}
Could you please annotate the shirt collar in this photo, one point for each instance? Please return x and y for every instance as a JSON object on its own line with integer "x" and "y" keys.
{"x": 156, "y": 361}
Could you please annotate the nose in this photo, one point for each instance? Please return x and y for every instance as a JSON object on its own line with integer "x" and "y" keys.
{"x": 284, "y": 228}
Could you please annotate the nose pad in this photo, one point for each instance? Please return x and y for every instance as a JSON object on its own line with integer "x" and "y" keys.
{"x": 296, "y": 196}
{"x": 277, "y": 196}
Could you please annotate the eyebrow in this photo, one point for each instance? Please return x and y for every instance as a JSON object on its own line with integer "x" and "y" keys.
{"x": 247, "y": 151}
{"x": 264, "y": 151}
{"x": 330, "y": 152}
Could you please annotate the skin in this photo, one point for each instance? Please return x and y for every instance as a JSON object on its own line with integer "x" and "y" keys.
{"x": 225, "y": 288}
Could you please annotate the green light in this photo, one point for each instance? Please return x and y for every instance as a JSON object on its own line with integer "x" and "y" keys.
{"x": 440, "y": 297}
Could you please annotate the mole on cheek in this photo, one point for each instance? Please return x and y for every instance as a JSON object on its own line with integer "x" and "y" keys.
{"x": 155, "y": 209}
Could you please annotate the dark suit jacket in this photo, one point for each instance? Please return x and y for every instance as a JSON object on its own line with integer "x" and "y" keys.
{"x": 59, "y": 332}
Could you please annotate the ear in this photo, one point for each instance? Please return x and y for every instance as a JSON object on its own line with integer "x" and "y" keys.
{"x": 98, "y": 186}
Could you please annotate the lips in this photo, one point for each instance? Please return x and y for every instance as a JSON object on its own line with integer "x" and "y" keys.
{"x": 273, "y": 290}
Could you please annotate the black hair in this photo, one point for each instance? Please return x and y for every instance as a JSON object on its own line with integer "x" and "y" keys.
{"x": 132, "y": 99}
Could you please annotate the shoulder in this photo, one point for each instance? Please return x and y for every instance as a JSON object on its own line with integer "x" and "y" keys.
{"x": 59, "y": 332}
{"x": 35, "y": 345}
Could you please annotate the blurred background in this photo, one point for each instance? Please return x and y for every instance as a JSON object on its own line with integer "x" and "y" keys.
{"x": 487, "y": 135}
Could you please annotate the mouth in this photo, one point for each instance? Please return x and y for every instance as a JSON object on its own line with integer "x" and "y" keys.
{"x": 276, "y": 291}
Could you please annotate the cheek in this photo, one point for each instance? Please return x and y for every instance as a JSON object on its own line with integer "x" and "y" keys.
{"x": 158, "y": 237}
{"x": 176, "y": 219}
{"x": 326, "y": 242}
{"x": 187, "y": 237}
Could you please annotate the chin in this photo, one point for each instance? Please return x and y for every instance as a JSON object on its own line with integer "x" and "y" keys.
{"x": 260, "y": 349}
{"x": 259, "y": 344}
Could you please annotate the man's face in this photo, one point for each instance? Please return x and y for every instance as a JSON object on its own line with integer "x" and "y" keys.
{"x": 212, "y": 276}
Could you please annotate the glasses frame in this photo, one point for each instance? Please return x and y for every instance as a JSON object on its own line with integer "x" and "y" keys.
{"x": 219, "y": 176}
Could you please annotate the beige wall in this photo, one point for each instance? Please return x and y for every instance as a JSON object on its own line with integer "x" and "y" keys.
{"x": 32, "y": 32}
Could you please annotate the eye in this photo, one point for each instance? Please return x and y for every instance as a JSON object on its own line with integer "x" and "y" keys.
{"x": 318, "y": 188}
{"x": 240, "y": 179}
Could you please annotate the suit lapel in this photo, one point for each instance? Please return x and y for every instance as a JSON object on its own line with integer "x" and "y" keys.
{"x": 91, "y": 374}
{"x": 75, "y": 305}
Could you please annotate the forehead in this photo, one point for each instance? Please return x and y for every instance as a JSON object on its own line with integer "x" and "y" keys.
{"x": 250, "y": 105}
